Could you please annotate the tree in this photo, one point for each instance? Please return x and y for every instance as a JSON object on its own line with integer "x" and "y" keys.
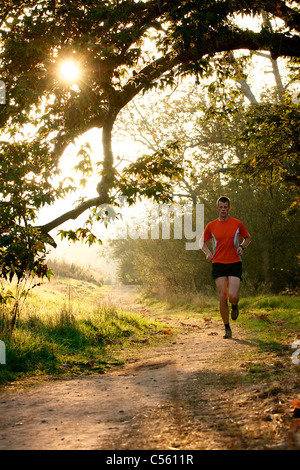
{"x": 215, "y": 127}
{"x": 270, "y": 135}
{"x": 271, "y": 139}
{"x": 108, "y": 39}
{"x": 198, "y": 120}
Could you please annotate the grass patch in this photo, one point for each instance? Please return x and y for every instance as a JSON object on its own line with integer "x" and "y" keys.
{"x": 56, "y": 335}
{"x": 274, "y": 321}
{"x": 182, "y": 305}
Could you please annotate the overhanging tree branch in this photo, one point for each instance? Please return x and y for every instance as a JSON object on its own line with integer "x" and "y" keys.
{"x": 73, "y": 214}
{"x": 279, "y": 9}
{"x": 214, "y": 41}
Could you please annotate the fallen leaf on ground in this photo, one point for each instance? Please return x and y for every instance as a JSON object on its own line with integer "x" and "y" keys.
{"x": 263, "y": 317}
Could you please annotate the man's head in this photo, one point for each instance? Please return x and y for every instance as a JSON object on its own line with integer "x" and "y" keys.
{"x": 223, "y": 199}
{"x": 223, "y": 207}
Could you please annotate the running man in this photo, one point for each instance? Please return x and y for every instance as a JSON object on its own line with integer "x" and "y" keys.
{"x": 225, "y": 232}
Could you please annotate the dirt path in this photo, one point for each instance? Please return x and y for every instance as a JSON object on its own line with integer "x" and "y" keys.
{"x": 189, "y": 393}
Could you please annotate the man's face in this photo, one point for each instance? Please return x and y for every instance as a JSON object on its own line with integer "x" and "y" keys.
{"x": 223, "y": 209}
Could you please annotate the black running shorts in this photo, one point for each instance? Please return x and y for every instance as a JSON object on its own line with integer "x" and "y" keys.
{"x": 231, "y": 269}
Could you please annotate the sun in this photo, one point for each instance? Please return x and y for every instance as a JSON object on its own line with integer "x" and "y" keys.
{"x": 70, "y": 71}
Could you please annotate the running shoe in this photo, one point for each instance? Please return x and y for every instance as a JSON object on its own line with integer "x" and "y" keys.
{"x": 234, "y": 312}
{"x": 228, "y": 333}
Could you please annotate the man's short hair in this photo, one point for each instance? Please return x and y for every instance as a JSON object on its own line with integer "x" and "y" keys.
{"x": 224, "y": 199}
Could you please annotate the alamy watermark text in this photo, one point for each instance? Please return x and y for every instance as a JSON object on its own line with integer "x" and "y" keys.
{"x": 163, "y": 221}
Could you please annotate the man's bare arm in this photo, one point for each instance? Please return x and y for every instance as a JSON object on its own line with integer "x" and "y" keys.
{"x": 245, "y": 242}
{"x": 206, "y": 250}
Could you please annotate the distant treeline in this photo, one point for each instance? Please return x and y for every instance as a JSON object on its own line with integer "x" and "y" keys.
{"x": 270, "y": 262}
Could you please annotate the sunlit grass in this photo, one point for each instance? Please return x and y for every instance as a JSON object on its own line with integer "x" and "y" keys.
{"x": 181, "y": 305}
{"x": 62, "y": 332}
{"x": 274, "y": 321}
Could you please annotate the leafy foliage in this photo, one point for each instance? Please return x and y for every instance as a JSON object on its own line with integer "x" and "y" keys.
{"x": 109, "y": 42}
{"x": 271, "y": 138}
{"x": 25, "y": 188}
{"x": 151, "y": 176}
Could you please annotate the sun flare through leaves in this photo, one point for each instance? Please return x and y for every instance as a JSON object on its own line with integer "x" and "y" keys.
{"x": 70, "y": 71}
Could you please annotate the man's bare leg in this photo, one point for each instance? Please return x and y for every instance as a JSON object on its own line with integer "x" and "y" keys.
{"x": 221, "y": 283}
{"x": 233, "y": 289}
{"x": 233, "y": 294}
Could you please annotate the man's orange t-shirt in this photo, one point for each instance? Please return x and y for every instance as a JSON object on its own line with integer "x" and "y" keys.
{"x": 225, "y": 237}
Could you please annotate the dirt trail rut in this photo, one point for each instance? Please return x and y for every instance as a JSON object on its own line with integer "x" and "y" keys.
{"x": 184, "y": 394}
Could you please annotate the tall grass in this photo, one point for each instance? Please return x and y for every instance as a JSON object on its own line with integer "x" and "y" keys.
{"x": 57, "y": 335}
{"x": 65, "y": 269}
